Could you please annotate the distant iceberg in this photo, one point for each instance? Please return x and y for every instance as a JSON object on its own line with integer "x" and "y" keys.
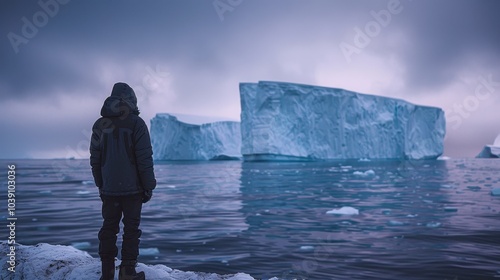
{"x": 58, "y": 262}
{"x": 175, "y": 140}
{"x": 491, "y": 151}
{"x": 284, "y": 121}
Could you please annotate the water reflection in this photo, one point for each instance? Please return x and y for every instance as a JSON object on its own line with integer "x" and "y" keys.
{"x": 286, "y": 204}
{"x": 199, "y": 191}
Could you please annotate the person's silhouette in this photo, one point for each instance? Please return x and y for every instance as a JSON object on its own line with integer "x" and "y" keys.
{"x": 122, "y": 167}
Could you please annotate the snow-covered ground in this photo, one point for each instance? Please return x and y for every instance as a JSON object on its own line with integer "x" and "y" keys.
{"x": 57, "y": 262}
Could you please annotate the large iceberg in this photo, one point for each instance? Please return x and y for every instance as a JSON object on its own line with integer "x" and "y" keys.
{"x": 285, "y": 121}
{"x": 58, "y": 262}
{"x": 175, "y": 140}
{"x": 491, "y": 151}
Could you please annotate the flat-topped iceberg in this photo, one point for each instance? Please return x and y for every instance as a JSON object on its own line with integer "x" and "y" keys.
{"x": 285, "y": 121}
{"x": 491, "y": 151}
{"x": 58, "y": 262}
{"x": 175, "y": 140}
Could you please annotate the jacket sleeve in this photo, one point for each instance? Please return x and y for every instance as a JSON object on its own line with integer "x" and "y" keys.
{"x": 95, "y": 155}
{"x": 144, "y": 156}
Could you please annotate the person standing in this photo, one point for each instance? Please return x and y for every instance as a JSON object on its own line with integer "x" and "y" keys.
{"x": 121, "y": 159}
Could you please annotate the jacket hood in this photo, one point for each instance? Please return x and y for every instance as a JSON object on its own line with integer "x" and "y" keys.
{"x": 121, "y": 102}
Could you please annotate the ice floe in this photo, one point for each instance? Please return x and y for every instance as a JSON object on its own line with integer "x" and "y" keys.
{"x": 368, "y": 173}
{"x": 495, "y": 192}
{"x": 346, "y": 210}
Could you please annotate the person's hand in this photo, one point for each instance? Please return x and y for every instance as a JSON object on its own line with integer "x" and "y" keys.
{"x": 146, "y": 196}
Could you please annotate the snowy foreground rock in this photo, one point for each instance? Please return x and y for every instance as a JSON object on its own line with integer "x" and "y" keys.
{"x": 175, "y": 140}
{"x": 491, "y": 151}
{"x": 284, "y": 121}
{"x": 57, "y": 262}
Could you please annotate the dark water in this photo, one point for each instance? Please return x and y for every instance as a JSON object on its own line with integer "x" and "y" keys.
{"x": 417, "y": 220}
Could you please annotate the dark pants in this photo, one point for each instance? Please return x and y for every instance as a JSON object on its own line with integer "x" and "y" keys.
{"x": 113, "y": 207}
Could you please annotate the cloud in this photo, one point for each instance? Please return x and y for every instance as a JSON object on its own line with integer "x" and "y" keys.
{"x": 443, "y": 36}
{"x": 41, "y": 126}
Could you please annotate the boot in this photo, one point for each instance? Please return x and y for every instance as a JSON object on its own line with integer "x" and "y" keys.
{"x": 127, "y": 271}
{"x": 107, "y": 269}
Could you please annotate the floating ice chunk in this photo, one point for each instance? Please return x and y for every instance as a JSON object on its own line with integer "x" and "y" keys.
{"x": 81, "y": 245}
{"x": 82, "y": 192}
{"x": 433, "y": 224}
{"x": 88, "y": 182}
{"x": 149, "y": 251}
{"x": 368, "y": 173}
{"x": 364, "y": 159}
{"x": 495, "y": 192}
{"x": 346, "y": 210}
{"x": 163, "y": 186}
{"x": 46, "y": 192}
{"x": 395, "y": 223}
{"x": 307, "y": 248}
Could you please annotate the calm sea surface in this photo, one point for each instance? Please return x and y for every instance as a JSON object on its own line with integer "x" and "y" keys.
{"x": 417, "y": 219}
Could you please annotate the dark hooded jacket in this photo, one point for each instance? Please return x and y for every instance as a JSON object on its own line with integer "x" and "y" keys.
{"x": 121, "y": 156}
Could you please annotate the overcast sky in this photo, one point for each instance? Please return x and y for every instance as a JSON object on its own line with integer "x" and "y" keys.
{"x": 60, "y": 59}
